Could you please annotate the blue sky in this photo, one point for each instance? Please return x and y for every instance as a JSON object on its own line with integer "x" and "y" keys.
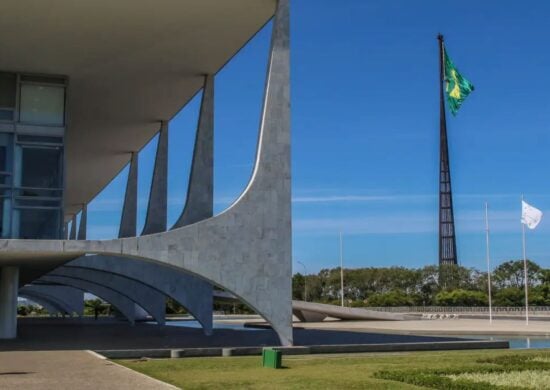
{"x": 365, "y": 131}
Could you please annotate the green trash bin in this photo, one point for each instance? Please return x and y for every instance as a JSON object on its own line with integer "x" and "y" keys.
{"x": 271, "y": 358}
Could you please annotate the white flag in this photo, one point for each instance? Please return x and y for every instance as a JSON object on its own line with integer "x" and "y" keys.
{"x": 530, "y": 216}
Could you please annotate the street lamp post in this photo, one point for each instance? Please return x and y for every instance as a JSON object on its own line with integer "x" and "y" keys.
{"x": 341, "y": 271}
{"x": 305, "y": 279}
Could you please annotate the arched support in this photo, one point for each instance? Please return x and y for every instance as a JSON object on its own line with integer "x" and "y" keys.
{"x": 83, "y": 222}
{"x": 199, "y": 204}
{"x": 71, "y": 298}
{"x": 155, "y": 219}
{"x": 72, "y": 234}
{"x": 128, "y": 219}
{"x": 122, "y": 303}
{"x": 193, "y": 293}
{"x": 247, "y": 248}
{"x": 53, "y": 308}
{"x": 149, "y": 299}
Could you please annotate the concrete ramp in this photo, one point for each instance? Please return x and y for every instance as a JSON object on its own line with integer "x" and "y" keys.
{"x": 316, "y": 312}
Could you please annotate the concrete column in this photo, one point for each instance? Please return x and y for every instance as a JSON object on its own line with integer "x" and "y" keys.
{"x": 83, "y": 222}
{"x": 128, "y": 221}
{"x": 9, "y": 285}
{"x": 72, "y": 234}
{"x": 199, "y": 204}
{"x": 155, "y": 220}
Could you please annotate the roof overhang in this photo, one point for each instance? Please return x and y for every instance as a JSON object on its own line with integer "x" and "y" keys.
{"x": 129, "y": 65}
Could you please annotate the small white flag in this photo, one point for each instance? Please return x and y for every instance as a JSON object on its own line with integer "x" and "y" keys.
{"x": 530, "y": 216}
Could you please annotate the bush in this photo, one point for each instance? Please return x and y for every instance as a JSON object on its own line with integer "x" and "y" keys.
{"x": 461, "y": 298}
{"x": 392, "y": 298}
{"x": 511, "y": 296}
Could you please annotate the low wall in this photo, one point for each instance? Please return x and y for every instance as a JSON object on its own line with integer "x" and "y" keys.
{"x": 535, "y": 310}
{"x": 304, "y": 350}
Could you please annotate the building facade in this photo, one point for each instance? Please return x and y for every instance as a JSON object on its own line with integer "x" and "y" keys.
{"x": 83, "y": 87}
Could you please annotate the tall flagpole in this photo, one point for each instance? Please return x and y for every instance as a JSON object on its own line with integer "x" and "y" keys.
{"x": 341, "y": 272}
{"x": 488, "y": 262}
{"x": 525, "y": 280}
{"x": 447, "y": 238}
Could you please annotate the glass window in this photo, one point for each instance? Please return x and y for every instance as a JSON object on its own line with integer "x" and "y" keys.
{"x": 39, "y": 223}
{"x": 41, "y": 168}
{"x": 42, "y": 104}
{"x": 7, "y": 95}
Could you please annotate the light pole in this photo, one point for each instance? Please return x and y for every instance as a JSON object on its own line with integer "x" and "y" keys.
{"x": 305, "y": 279}
{"x": 341, "y": 271}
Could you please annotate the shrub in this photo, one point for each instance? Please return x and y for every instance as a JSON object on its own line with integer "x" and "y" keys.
{"x": 392, "y": 298}
{"x": 461, "y": 298}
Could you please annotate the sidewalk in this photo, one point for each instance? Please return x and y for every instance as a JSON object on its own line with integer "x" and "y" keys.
{"x": 81, "y": 370}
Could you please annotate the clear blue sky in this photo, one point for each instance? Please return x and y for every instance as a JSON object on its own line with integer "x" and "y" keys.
{"x": 365, "y": 131}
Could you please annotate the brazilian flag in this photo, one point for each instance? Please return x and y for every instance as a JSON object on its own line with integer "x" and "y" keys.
{"x": 456, "y": 86}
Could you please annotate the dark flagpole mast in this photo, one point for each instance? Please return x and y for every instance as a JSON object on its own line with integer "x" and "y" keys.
{"x": 447, "y": 239}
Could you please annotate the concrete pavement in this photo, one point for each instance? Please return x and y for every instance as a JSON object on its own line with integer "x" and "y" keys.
{"x": 44, "y": 370}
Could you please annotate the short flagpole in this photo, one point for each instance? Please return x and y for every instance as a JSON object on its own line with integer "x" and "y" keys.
{"x": 488, "y": 262}
{"x": 526, "y": 281}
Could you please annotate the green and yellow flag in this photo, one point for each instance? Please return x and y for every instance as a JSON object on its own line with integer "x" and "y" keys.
{"x": 456, "y": 86}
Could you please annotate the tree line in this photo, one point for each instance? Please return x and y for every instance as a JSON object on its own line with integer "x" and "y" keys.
{"x": 448, "y": 285}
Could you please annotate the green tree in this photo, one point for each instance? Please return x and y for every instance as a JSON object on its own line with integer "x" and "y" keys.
{"x": 509, "y": 296}
{"x": 95, "y": 307}
{"x": 391, "y": 298}
{"x": 511, "y": 274}
{"x": 461, "y": 297}
{"x": 298, "y": 281}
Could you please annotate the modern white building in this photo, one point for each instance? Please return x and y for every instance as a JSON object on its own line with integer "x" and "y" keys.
{"x": 83, "y": 87}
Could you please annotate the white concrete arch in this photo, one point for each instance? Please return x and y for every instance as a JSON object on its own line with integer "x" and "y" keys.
{"x": 122, "y": 303}
{"x": 247, "y": 248}
{"x": 189, "y": 291}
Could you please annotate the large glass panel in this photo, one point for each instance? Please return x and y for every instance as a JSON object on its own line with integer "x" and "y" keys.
{"x": 7, "y": 95}
{"x": 40, "y": 168}
{"x": 42, "y": 104}
{"x": 38, "y": 223}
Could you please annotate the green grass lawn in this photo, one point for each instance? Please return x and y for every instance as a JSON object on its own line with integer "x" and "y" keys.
{"x": 351, "y": 371}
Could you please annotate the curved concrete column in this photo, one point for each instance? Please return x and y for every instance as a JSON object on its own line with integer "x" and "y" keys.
{"x": 71, "y": 298}
{"x": 52, "y": 306}
{"x": 199, "y": 204}
{"x": 247, "y": 248}
{"x": 72, "y": 233}
{"x": 193, "y": 293}
{"x": 149, "y": 299}
{"x": 122, "y": 303}
{"x": 155, "y": 219}
{"x": 9, "y": 285}
{"x": 128, "y": 219}
{"x": 82, "y": 226}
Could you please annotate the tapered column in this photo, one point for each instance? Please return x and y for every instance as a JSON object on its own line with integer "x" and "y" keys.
{"x": 9, "y": 285}
{"x": 72, "y": 234}
{"x": 199, "y": 204}
{"x": 83, "y": 223}
{"x": 128, "y": 220}
{"x": 155, "y": 220}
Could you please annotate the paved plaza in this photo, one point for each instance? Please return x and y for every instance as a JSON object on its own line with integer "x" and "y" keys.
{"x": 81, "y": 334}
{"x": 81, "y": 370}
